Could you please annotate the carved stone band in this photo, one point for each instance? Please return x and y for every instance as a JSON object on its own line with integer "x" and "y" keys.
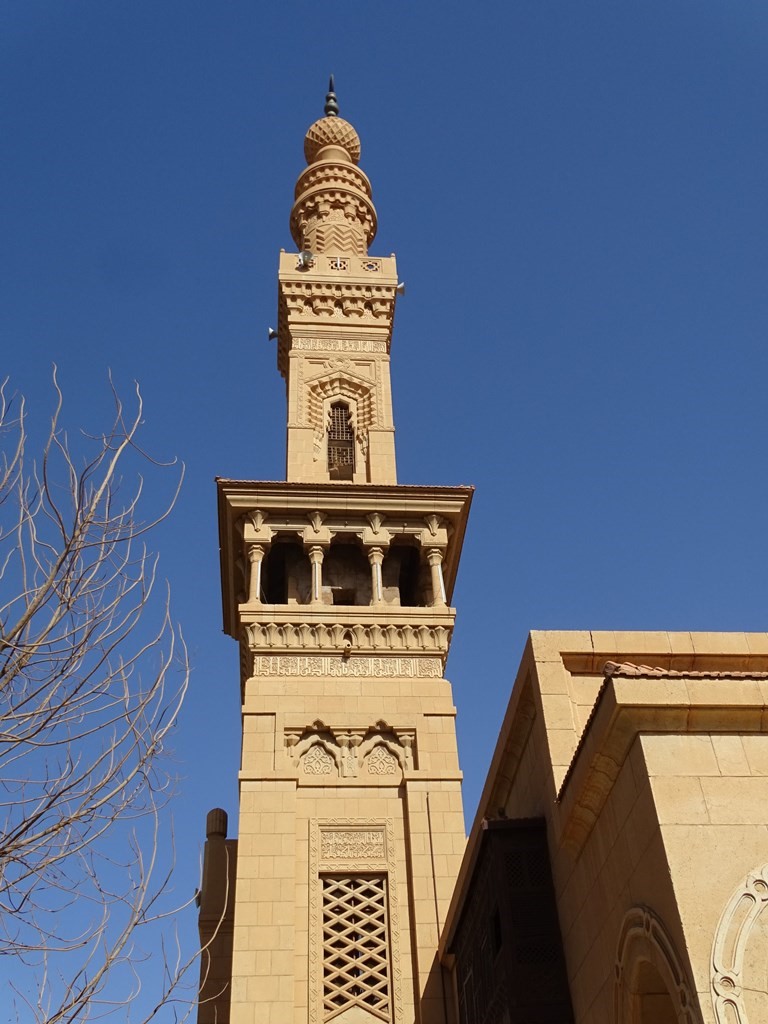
{"x": 339, "y": 345}
{"x": 352, "y": 844}
{"x": 376, "y": 668}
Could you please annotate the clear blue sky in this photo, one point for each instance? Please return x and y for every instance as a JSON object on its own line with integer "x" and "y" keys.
{"x": 576, "y": 192}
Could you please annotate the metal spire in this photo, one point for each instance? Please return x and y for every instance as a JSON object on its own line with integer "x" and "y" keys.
{"x": 331, "y": 105}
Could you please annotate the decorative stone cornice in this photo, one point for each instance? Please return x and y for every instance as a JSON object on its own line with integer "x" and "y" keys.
{"x": 317, "y": 301}
{"x": 364, "y": 638}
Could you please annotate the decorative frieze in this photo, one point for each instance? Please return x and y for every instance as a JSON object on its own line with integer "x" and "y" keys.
{"x": 353, "y": 844}
{"x": 339, "y": 667}
{"x": 364, "y": 637}
{"x": 339, "y": 345}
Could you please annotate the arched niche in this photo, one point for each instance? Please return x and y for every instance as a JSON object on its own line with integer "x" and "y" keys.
{"x": 739, "y": 980}
{"x": 652, "y": 986}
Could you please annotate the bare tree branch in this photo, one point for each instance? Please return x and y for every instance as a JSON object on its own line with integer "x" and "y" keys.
{"x": 89, "y": 694}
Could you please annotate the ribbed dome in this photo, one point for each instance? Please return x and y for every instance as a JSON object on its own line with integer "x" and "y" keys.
{"x": 331, "y": 131}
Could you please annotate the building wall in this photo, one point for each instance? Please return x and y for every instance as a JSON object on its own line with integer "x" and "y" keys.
{"x": 645, "y": 753}
{"x": 285, "y": 811}
{"x": 711, "y": 798}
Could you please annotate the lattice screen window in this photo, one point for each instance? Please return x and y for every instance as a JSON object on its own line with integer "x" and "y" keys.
{"x": 341, "y": 439}
{"x": 356, "y": 968}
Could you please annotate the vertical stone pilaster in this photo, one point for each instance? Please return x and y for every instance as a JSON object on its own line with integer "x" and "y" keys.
{"x": 264, "y": 940}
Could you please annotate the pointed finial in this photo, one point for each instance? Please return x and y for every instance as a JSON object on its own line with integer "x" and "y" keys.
{"x": 331, "y": 105}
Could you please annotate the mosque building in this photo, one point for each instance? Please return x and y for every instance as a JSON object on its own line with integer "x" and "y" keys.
{"x": 617, "y": 868}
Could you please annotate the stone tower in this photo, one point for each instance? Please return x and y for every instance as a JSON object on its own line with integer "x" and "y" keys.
{"x": 337, "y": 585}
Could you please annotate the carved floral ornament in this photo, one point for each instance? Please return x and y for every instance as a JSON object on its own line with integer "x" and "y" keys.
{"x": 377, "y": 521}
{"x": 376, "y": 750}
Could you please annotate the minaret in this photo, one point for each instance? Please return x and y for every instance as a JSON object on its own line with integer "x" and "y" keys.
{"x": 335, "y": 318}
{"x": 337, "y": 585}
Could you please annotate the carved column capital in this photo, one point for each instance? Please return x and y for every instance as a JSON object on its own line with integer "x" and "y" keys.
{"x": 434, "y": 556}
{"x": 375, "y": 555}
{"x": 316, "y": 554}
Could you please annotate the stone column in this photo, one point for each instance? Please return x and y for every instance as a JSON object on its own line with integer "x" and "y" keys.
{"x": 376, "y": 557}
{"x": 435, "y": 559}
{"x": 255, "y": 557}
{"x": 217, "y": 904}
{"x": 316, "y": 555}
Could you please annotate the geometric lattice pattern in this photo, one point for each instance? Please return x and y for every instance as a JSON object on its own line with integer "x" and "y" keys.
{"x": 341, "y": 440}
{"x": 355, "y": 945}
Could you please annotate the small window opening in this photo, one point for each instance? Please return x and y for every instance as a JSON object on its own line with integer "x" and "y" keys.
{"x": 343, "y": 596}
{"x": 275, "y": 576}
{"x": 341, "y": 443}
{"x": 408, "y": 578}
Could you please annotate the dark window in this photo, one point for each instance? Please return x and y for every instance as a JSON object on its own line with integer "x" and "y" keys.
{"x": 341, "y": 443}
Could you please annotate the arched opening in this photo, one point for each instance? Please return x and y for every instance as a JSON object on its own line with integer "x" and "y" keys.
{"x": 341, "y": 442}
{"x": 652, "y": 1001}
{"x": 652, "y": 984}
{"x": 346, "y": 575}
{"x": 286, "y": 576}
{"x": 403, "y": 576}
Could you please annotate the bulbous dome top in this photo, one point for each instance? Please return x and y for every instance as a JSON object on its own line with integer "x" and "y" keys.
{"x": 333, "y": 212}
{"x": 332, "y": 131}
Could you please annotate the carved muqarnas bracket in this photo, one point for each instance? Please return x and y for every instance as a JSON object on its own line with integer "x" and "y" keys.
{"x": 378, "y": 750}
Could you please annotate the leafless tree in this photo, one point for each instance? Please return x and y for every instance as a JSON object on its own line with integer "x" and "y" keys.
{"x": 89, "y": 693}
